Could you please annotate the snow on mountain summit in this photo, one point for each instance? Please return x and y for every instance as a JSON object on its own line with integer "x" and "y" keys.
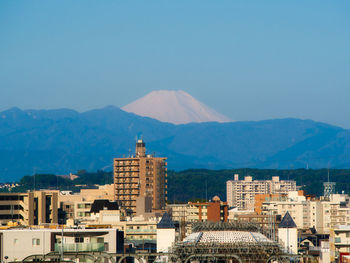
{"x": 172, "y": 106}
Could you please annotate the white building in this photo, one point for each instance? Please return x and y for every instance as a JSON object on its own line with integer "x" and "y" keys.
{"x": 17, "y": 244}
{"x": 288, "y": 234}
{"x": 241, "y": 193}
{"x": 165, "y": 233}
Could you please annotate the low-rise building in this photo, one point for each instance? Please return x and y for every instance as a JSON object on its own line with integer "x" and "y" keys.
{"x": 213, "y": 211}
{"x": 16, "y": 244}
{"x": 76, "y": 206}
{"x": 140, "y": 231}
{"x": 31, "y": 208}
{"x": 339, "y": 242}
{"x": 187, "y": 214}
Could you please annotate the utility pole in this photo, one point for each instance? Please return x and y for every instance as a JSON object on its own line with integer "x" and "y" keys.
{"x": 62, "y": 247}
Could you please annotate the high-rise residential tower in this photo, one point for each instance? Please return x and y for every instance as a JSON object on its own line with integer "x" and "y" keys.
{"x": 140, "y": 181}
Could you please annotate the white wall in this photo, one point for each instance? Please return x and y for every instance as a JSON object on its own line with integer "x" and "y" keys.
{"x": 289, "y": 237}
{"x": 18, "y": 244}
{"x": 325, "y": 252}
{"x": 165, "y": 239}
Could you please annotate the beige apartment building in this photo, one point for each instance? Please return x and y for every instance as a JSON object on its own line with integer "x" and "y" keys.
{"x": 77, "y": 205}
{"x": 322, "y": 214}
{"x": 339, "y": 242}
{"x": 304, "y": 212}
{"x": 32, "y": 208}
{"x": 140, "y": 179}
{"x": 241, "y": 193}
{"x": 213, "y": 211}
{"x": 139, "y": 230}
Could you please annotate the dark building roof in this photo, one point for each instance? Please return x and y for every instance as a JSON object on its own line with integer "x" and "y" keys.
{"x": 287, "y": 222}
{"x": 166, "y": 222}
{"x": 103, "y": 204}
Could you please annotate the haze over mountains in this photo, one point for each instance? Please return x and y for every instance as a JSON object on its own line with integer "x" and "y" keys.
{"x": 63, "y": 140}
{"x": 174, "y": 106}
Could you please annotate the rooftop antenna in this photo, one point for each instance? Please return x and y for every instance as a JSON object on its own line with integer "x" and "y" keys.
{"x": 34, "y": 172}
{"x": 328, "y": 173}
{"x": 206, "y": 189}
{"x": 329, "y": 187}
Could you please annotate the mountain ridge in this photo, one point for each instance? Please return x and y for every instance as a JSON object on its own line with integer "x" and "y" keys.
{"x": 63, "y": 141}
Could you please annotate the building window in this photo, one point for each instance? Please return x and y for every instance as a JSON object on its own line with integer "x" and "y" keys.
{"x": 79, "y": 240}
{"x": 36, "y": 242}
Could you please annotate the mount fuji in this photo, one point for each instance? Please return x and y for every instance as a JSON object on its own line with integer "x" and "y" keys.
{"x": 177, "y": 107}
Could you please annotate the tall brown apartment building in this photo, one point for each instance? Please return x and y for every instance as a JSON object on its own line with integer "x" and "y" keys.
{"x": 141, "y": 180}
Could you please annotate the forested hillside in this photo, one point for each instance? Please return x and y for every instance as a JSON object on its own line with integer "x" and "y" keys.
{"x": 197, "y": 184}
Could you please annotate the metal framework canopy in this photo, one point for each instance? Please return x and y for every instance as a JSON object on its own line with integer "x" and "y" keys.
{"x": 237, "y": 241}
{"x": 223, "y": 226}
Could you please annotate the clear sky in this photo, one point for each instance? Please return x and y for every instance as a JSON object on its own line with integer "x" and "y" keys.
{"x": 249, "y": 60}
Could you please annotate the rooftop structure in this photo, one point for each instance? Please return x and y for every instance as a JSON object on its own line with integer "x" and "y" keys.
{"x": 226, "y": 237}
{"x": 328, "y": 189}
{"x": 165, "y": 222}
{"x": 103, "y": 204}
{"x": 224, "y": 241}
{"x": 287, "y": 222}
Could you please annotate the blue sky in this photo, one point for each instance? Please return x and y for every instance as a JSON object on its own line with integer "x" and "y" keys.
{"x": 249, "y": 60}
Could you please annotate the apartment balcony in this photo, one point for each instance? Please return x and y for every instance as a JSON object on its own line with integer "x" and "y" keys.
{"x": 80, "y": 247}
{"x": 141, "y": 231}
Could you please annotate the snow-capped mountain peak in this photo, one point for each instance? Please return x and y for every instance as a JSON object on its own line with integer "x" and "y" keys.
{"x": 174, "y": 106}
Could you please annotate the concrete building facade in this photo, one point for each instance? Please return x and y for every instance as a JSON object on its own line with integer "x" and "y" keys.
{"x": 241, "y": 193}
{"x": 32, "y": 208}
{"x": 16, "y": 244}
{"x": 165, "y": 234}
{"x": 213, "y": 211}
{"x": 140, "y": 179}
{"x": 322, "y": 214}
{"x": 77, "y": 206}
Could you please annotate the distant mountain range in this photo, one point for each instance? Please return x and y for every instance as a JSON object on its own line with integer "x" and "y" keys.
{"x": 63, "y": 141}
{"x": 174, "y": 106}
